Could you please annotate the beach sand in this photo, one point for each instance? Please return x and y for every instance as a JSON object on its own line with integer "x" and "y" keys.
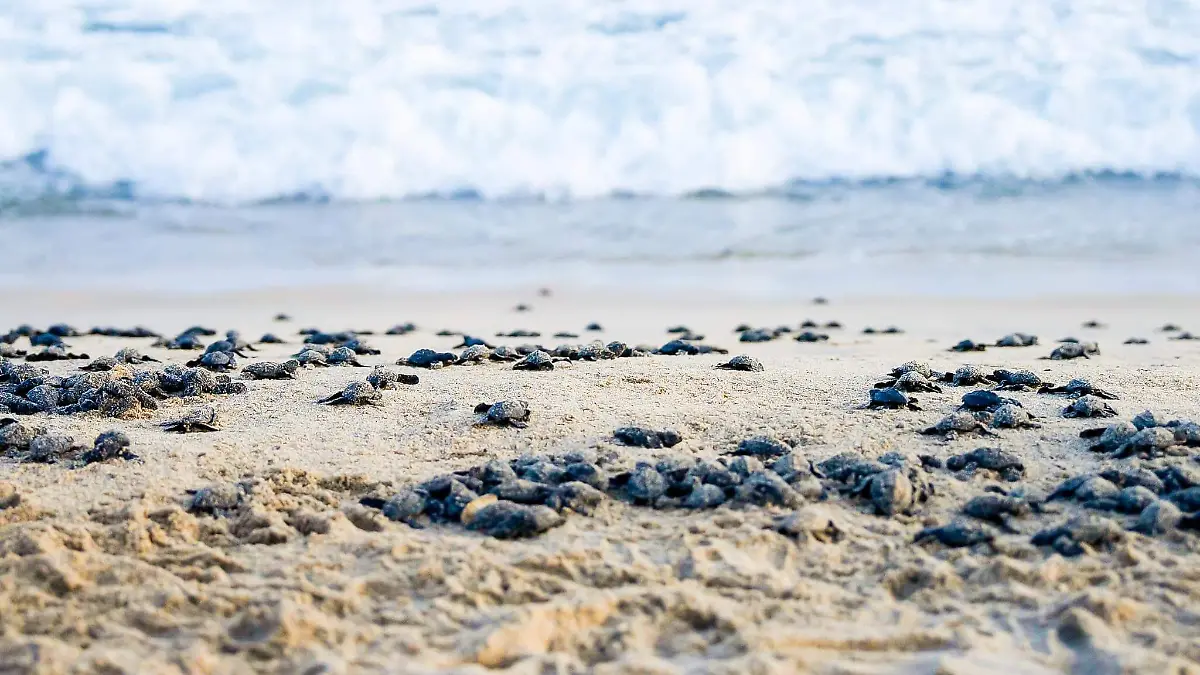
{"x": 102, "y": 569}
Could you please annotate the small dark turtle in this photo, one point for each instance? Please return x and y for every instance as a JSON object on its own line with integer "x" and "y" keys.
{"x": 985, "y": 400}
{"x": 1009, "y": 466}
{"x": 1074, "y": 350}
{"x": 402, "y": 329}
{"x": 1148, "y": 443}
{"x": 132, "y": 356}
{"x": 919, "y": 367}
{"x": 566, "y": 335}
{"x": 1169, "y": 328}
{"x": 224, "y": 346}
{"x": 996, "y": 508}
{"x": 505, "y": 353}
{"x": 766, "y": 488}
{"x": 763, "y": 447}
{"x": 676, "y": 347}
{"x": 1158, "y": 517}
{"x": 647, "y": 438}
{"x": 1009, "y": 416}
{"x": 1136, "y": 341}
{"x": 344, "y": 356}
{"x": 742, "y": 362}
{"x": 50, "y": 448}
{"x": 1017, "y": 340}
{"x": 1085, "y": 488}
{"x": 269, "y": 370}
{"x": 16, "y": 436}
{"x": 810, "y": 523}
{"x": 355, "y": 393}
{"x": 756, "y": 335}
{"x": 101, "y": 364}
{"x": 537, "y": 360}
{"x": 968, "y": 346}
{"x": 957, "y": 534}
{"x": 55, "y": 353}
{"x": 474, "y": 354}
{"x": 967, "y": 376}
{"x": 271, "y": 339}
{"x": 381, "y": 378}
{"x": 311, "y": 358}
{"x": 215, "y": 361}
{"x": 892, "y": 492}
{"x": 810, "y": 336}
{"x": 520, "y": 333}
{"x": 1109, "y": 438}
{"x": 1018, "y": 380}
{"x": 1078, "y": 387}
{"x": 1089, "y": 406}
{"x": 506, "y": 520}
{"x": 594, "y": 327}
{"x": 958, "y": 423}
{"x": 1080, "y": 534}
{"x": 109, "y": 445}
{"x": 911, "y": 381}
{"x": 1184, "y": 336}
{"x": 46, "y": 340}
{"x": 204, "y": 418}
{"x": 218, "y": 500}
{"x": 472, "y": 341}
{"x": 1092, "y": 323}
{"x": 891, "y": 398}
{"x": 427, "y": 358}
{"x": 510, "y": 413}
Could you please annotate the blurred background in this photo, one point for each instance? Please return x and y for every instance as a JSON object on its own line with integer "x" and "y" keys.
{"x": 761, "y": 147}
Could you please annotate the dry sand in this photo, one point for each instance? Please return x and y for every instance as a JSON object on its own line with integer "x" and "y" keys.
{"x": 103, "y": 570}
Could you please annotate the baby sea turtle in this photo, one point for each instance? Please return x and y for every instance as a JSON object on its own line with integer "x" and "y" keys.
{"x": 1078, "y": 387}
{"x": 1018, "y": 380}
{"x": 132, "y": 356}
{"x": 1089, "y": 406}
{"x": 676, "y": 347}
{"x": 382, "y": 378}
{"x": 520, "y": 333}
{"x": 203, "y": 418}
{"x": 594, "y": 327}
{"x": 1184, "y": 336}
{"x": 762, "y": 447}
{"x": 507, "y": 520}
{"x": 957, "y": 534}
{"x": 343, "y": 356}
{"x": 215, "y": 361}
{"x": 1009, "y": 416}
{"x": 967, "y": 376}
{"x": 402, "y": 329}
{"x": 101, "y": 364}
{"x": 471, "y": 341}
{"x": 1074, "y": 350}
{"x": 1109, "y": 438}
{"x": 996, "y": 508}
{"x": 985, "y": 400}
{"x": 355, "y": 393}
{"x": 109, "y": 445}
{"x": 1159, "y": 517}
{"x": 271, "y": 339}
{"x": 958, "y": 423}
{"x": 1136, "y": 341}
{"x": 742, "y": 362}
{"x": 270, "y": 370}
{"x": 647, "y": 438}
{"x": 513, "y": 413}
{"x": 913, "y": 367}
{"x": 892, "y": 399}
{"x": 1080, "y": 534}
{"x": 968, "y": 346}
{"x": 221, "y": 499}
{"x": 427, "y": 358}
{"x": 16, "y": 436}
{"x": 757, "y": 335}
{"x": 810, "y": 523}
{"x": 537, "y": 360}
{"x": 810, "y": 336}
{"x": 55, "y": 353}
{"x": 911, "y": 381}
{"x": 311, "y": 358}
{"x": 50, "y": 448}
{"x": 1007, "y": 465}
{"x": 893, "y": 491}
{"x": 1148, "y": 443}
{"x": 1017, "y": 340}
{"x": 473, "y": 355}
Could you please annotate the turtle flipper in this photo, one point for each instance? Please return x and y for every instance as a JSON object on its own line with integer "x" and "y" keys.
{"x": 331, "y": 399}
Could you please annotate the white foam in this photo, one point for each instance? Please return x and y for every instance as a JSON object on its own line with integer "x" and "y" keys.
{"x": 228, "y": 100}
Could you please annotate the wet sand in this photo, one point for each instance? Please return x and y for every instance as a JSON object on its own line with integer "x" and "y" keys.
{"x": 102, "y": 569}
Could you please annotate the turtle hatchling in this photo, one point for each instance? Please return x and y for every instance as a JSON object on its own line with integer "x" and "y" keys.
{"x": 502, "y": 413}
{"x": 427, "y": 358}
{"x": 133, "y": 357}
{"x": 957, "y": 534}
{"x": 343, "y": 356}
{"x": 647, "y": 438}
{"x": 109, "y": 445}
{"x": 537, "y": 360}
{"x": 742, "y": 362}
{"x": 203, "y": 418}
{"x": 958, "y": 423}
{"x": 996, "y": 508}
{"x": 355, "y": 393}
{"x": 1079, "y": 387}
{"x": 968, "y": 346}
{"x": 892, "y": 491}
{"x": 1007, "y": 465}
{"x": 1074, "y": 350}
{"x": 967, "y": 376}
{"x": 1089, "y": 406}
{"x": 311, "y": 357}
{"x": 892, "y": 399}
{"x": 215, "y": 361}
{"x": 910, "y": 381}
{"x": 381, "y": 378}
{"x": 1009, "y": 416}
{"x": 1079, "y": 535}
{"x": 985, "y": 400}
{"x": 1017, "y": 340}
{"x": 270, "y": 370}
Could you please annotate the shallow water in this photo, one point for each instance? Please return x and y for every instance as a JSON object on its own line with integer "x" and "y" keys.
{"x": 981, "y": 239}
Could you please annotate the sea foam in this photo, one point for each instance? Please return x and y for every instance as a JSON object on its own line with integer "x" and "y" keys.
{"x": 229, "y": 101}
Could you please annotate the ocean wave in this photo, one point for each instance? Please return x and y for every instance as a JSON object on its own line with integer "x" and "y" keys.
{"x": 276, "y": 101}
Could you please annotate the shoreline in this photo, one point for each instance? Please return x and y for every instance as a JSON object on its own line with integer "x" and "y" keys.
{"x": 108, "y": 564}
